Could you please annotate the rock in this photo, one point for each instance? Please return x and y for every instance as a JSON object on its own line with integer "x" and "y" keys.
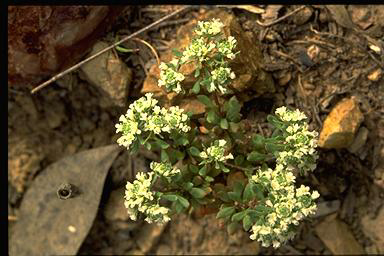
{"x": 303, "y": 16}
{"x": 359, "y": 140}
{"x": 361, "y": 15}
{"x": 246, "y": 65}
{"x": 108, "y": 73}
{"x": 42, "y": 40}
{"x": 375, "y": 75}
{"x": 164, "y": 249}
{"x": 114, "y": 208}
{"x": 148, "y": 236}
{"x": 252, "y": 248}
{"x": 192, "y": 105}
{"x": 336, "y": 235}
{"x": 326, "y": 208}
{"x": 373, "y": 228}
{"x": 341, "y": 124}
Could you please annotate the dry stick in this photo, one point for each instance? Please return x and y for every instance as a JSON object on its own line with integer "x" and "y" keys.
{"x": 61, "y": 74}
{"x": 150, "y": 47}
{"x": 279, "y": 19}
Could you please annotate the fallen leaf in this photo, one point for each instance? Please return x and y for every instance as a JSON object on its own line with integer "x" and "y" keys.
{"x": 341, "y": 15}
{"x": 48, "y": 225}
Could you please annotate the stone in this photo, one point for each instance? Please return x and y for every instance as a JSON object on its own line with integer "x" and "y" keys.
{"x": 361, "y": 15}
{"x": 374, "y": 229}
{"x": 109, "y": 74}
{"x": 341, "y": 124}
{"x": 114, "y": 208}
{"x": 192, "y": 105}
{"x": 303, "y": 16}
{"x": 148, "y": 236}
{"x": 326, "y": 208}
{"x": 246, "y": 65}
{"x": 359, "y": 140}
{"x": 337, "y": 236}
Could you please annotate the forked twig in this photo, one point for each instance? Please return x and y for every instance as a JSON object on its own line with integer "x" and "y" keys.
{"x": 63, "y": 73}
{"x": 279, "y": 19}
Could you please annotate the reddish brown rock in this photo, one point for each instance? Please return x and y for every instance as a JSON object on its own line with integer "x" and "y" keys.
{"x": 341, "y": 124}
{"x": 42, "y": 40}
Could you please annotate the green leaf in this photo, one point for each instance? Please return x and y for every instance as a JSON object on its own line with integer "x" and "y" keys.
{"x": 178, "y": 207}
{"x": 122, "y": 49}
{"x": 248, "y": 193}
{"x": 176, "y": 53}
{"x": 238, "y": 216}
{"x": 239, "y": 160}
{"x": 197, "y": 192}
{"x": 206, "y": 101}
{"x": 212, "y": 117}
{"x": 203, "y": 171}
{"x": 225, "y": 211}
{"x": 258, "y": 142}
{"x": 183, "y": 201}
{"x": 224, "y": 124}
{"x": 196, "y": 87}
{"x": 197, "y": 72}
{"x": 232, "y": 227}
{"x": 179, "y": 154}
{"x": 255, "y": 156}
{"x": 194, "y": 151}
{"x": 234, "y": 196}
{"x": 223, "y": 195}
{"x": 193, "y": 168}
{"x": 148, "y": 146}
{"x": 187, "y": 186}
{"x": 169, "y": 197}
{"x": 182, "y": 141}
{"x": 164, "y": 156}
{"x": 275, "y": 121}
{"x": 247, "y": 222}
{"x": 209, "y": 179}
{"x": 162, "y": 144}
{"x": 233, "y": 111}
{"x": 197, "y": 180}
{"x": 272, "y": 147}
{"x": 135, "y": 147}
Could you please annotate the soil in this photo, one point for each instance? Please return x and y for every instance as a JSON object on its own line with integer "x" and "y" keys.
{"x": 315, "y": 61}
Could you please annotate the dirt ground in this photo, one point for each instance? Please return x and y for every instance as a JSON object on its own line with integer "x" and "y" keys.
{"x": 316, "y": 58}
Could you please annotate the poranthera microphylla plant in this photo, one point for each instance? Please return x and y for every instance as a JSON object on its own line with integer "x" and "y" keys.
{"x": 195, "y": 165}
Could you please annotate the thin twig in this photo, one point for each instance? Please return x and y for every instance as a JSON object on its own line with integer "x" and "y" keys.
{"x": 279, "y": 19}
{"x": 240, "y": 168}
{"x": 150, "y": 47}
{"x": 61, "y": 74}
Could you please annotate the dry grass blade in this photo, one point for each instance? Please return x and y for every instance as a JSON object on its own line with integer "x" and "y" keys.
{"x": 150, "y": 47}
{"x": 249, "y": 8}
{"x": 61, "y": 74}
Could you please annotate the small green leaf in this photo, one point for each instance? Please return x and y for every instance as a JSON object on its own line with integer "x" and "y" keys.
{"x": 255, "y": 156}
{"x": 169, "y": 197}
{"x": 205, "y": 100}
{"x": 223, "y": 196}
{"x": 197, "y": 193}
{"x": 234, "y": 196}
{"x": 258, "y": 142}
{"x": 233, "y": 111}
{"x": 197, "y": 180}
{"x": 164, "y": 156}
{"x": 247, "y": 222}
{"x": 225, "y": 211}
{"x": 162, "y": 144}
{"x": 224, "y": 124}
{"x": 273, "y": 148}
{"x": 194, "y": 151}
{"x": 122, "y": 49}
{"x": 232, "y": 227}
{"x": 203, "y": 171}
{"x": 239, "y": 160}
{"x": 148, "y": 146}
{"x": 184, "y": 202}
{"x": 275, "y": 121}
{"x": 248, "y": 193}
{"x": 193, "y": 168}
{"x": 176, "y": 53}
{"x": 182, "y": 141}
{"x": 178, "y": 207}
{"x": 197, "y": 72}
{"x": 187, "y": 186}
{"x": 238, "y": 216}
{"x": 196, "y": 87}
{"x": 209, "y": 179}
{"x": 212, "y": 117}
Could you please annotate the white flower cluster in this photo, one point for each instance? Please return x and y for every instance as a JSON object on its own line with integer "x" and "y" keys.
{"x": 226, "y": 47}
{"x": 139, "y": 198}
{"x": 215, "y": 153}
{"x": 198, "y": 49}
{"x": 286, "y": 206}
{"x": 219, "y": 78}
{"x": 209, "y": 28}
{"x": 300, "y": 142}
{"x": 164, "y": 169}
{"x": 144, "y": 115}
{"x": 170, "y": 78}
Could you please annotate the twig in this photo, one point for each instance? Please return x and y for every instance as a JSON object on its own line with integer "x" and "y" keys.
{"x": 150, "y": 47}
{"x": 61, "y": 74}
{"x": 240, "y": 168}
{"x": 279, "y": 19}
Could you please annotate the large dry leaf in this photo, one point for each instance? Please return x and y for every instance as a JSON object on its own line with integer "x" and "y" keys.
{"x": 48, "y": 225}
